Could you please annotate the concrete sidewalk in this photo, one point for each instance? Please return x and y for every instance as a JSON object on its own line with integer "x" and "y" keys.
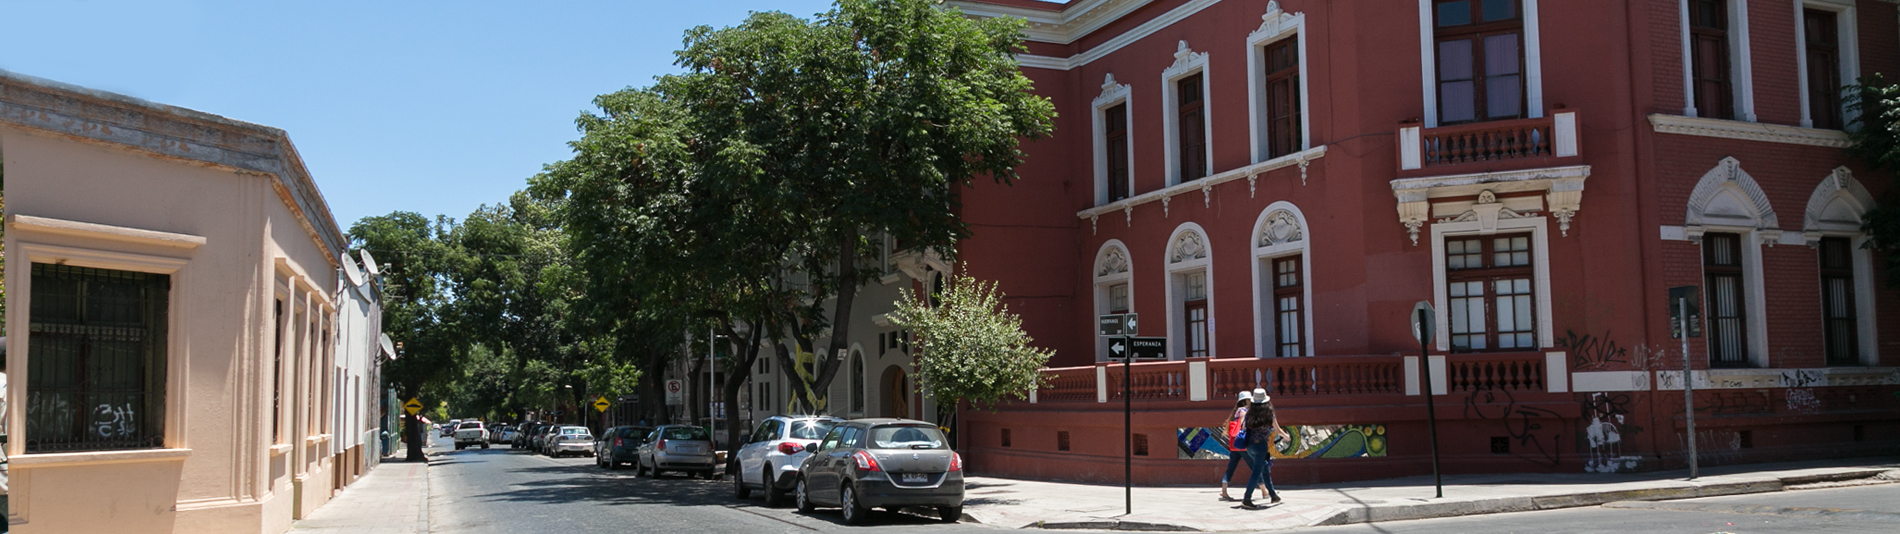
{"x": 1031, "y": 504}
{"x": 392, "y": 499}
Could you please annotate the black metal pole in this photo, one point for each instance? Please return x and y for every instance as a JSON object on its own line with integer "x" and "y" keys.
{"x": 1431, "y": 411}
{"x": 1128, "y": 430}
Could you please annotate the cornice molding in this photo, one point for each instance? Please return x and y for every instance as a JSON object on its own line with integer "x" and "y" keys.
{"x": 102, "y": 232}
{"x": 1064, "y": 37}
{"x": 1205, "y": 185}
{"x": 1747, "y": 131}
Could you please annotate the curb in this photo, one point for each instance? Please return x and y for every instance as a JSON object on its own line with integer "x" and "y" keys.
{"x": 1112, "y": 524}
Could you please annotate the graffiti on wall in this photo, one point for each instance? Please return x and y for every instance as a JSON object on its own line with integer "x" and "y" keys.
{"x": 1594, "y": 353}
{"x": 1605, "y": 424}
{"x": 1300, "y": 441}
{"x": 1532, "y": 441}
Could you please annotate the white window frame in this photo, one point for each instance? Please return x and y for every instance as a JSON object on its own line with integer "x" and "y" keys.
{"x": 1187, "y": 62}
{"x": 1275, "y": 26}
{"x": 1741, "y": 74}
{"x": 1177, "y": 272}
{"x": 1106, "y": 276}
{"x": 1727, "y": 200}
{"x": 1533, "y": 61}
{"x": 1265, "y": 312}
{"x": 1113, "y": 93}
{"x": 1845, "y": 24}
{"x": 1836, "y": 209}
{"x": 1540, "y": 258}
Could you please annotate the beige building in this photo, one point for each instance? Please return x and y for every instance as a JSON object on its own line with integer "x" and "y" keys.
{"x": 173, "y": 319}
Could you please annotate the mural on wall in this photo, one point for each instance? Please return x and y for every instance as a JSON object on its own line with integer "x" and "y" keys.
{"x": 1300, "y": 441}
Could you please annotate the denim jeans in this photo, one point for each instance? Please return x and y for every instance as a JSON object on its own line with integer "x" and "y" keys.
{"x": 1233, "y": 460}
{"x": 1261, "y": 460}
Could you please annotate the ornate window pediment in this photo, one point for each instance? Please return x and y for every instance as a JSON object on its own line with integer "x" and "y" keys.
{"x": 1280, "y": 228}
{"x": 1187, "y": 246}
{"x": 1836, "y": 206}
{"x": 1114, "y": 260}
{"x": 1728, "y": 196}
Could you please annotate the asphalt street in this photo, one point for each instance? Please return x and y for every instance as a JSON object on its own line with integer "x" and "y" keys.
{"x": 1873, "y": 508}
{"x": 500, "y": 490}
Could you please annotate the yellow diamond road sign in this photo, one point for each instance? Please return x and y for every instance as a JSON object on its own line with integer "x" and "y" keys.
{"x": 413, "y": 406}
{"x": 601, "y": 403}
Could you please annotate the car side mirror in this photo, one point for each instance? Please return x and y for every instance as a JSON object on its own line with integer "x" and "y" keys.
{"x": 811, "y": 447}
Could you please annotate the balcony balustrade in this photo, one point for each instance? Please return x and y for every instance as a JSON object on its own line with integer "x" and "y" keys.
{"x": 1532, "y": 141}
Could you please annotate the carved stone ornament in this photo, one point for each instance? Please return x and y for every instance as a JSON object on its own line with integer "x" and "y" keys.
{"x": 1128, "y": 211}
{"x": 1165, "y": 199}
{"x": 1188, "y": 246}
{"x": 1111, "y": 91}
{"x": 1207, "y": 194}
{"x": 1095, "y": 226}
{"x": 1250, "y": 182}
{"x": 1114, "y": 261}
{"x": 1281, "y": 228}
{"x": 1276, "y": 21}
{"x": 1185, "y": 57}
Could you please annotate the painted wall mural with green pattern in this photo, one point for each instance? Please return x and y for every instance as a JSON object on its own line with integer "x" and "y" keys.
{"x": 1300, "y": 441}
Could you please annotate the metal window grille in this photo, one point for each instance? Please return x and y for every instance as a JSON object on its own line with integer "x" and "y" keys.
{"x": 96, "y": 378}
{"x": 1722, "y": 272}
{"x": 1840, "y": 329}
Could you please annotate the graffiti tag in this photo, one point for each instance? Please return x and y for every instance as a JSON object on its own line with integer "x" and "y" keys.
{"x": 1594, "y": 353}
{"x": 1520, "y": 422}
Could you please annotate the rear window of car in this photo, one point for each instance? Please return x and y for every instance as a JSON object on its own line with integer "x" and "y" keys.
{"x": 574, "y": 430}
{"x": 692, "y": 433}
{"x": 471, "y": 424}
{"x": 906, "y": 437}
{"x": 808, "y": 429}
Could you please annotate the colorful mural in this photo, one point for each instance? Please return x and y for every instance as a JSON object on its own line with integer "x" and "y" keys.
{"x": 1300, "y": 441}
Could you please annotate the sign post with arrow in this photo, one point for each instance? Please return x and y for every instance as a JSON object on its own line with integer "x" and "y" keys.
{"x": 1120, "y": 329}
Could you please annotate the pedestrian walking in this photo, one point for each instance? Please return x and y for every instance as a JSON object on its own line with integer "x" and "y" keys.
{"x": 1236, "y": 452}
{"x": 1262, "y": 428}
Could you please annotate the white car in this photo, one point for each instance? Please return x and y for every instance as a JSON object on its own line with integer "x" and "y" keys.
{"x": 571, "y": 440}
{"x": 770, "y": 457}
{"x": 470, "y": 434}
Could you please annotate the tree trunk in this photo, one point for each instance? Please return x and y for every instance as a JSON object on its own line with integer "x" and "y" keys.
{"x": 847, "y": 280}
{"x": 736, "y": 377}
{"x": 414, "y": 435}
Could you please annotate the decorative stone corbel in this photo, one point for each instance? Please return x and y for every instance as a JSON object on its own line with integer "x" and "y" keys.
{"x": 1250, "y": 181}
{"x": 1207, "y": 195}
{"x": 1768, "y": 236}
{"x": 1303, "y": 164}
{"x": 1095, "y": 228}
{"x": 1128, "y": 210}
{"x": 1812, "y": 238}
{"x": 1694, "y": 233}
{"x": 1564, "y": 199}
{"x": 1413, "y": 210}
{"x": 1165, "y": 199}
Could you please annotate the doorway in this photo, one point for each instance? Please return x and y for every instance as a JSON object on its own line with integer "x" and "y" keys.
{"x": 896, "y": 394}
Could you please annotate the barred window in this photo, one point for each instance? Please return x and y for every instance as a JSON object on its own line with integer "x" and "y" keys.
{"x": 96, "y": 375}
{"x": 1722, "y": 272}
{"x": 1492, "y": 306}
{"x": 1840, "y": 329}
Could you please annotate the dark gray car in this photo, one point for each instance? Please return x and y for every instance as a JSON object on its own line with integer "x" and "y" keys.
{"x": 882, "y": 463}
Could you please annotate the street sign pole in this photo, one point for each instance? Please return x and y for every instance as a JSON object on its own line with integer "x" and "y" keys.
{"x": 1688, "y": 386}
{"x": 1423, "y": 328}
{"x": 1128, "y": 431}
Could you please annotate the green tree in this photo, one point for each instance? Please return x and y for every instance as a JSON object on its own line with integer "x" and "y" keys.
{"x": 1875, "y": 137}
{"x": 415, "y": 307}
{"x": 973, "y": 349}
{"x": 867, "y": 119}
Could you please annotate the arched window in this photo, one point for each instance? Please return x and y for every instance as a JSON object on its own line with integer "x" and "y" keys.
{"x": 1729, "y": 217}
{"x": 1114, "y": 290}
{"x": 1282, "y": 276}
{"x": 1190, "y": 293}
{"x": 1832, "y": 225}
{"x": 857, "y": 380}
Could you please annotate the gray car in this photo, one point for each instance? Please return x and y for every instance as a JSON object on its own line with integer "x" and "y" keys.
{"x": 882, "y": 463}
{"x": 678, "y": 448}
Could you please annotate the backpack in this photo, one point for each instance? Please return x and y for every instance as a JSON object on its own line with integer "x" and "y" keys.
{"x": 1237, "y": 434}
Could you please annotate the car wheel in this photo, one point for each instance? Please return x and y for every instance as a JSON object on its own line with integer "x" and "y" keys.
{"x": 774, "y": 495}
{"x": 803, "y": 497}
{"x": 739, "y": 490}
{"x": 949, "y": 514}
{"x": 458, "y": 446}
{"x": 854, "y": 512}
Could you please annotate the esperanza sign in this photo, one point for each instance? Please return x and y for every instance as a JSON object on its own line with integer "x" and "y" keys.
{"x": 1301, "y": 441}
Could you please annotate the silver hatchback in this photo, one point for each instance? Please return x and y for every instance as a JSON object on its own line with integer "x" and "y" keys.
{"x": 679, "y": 448}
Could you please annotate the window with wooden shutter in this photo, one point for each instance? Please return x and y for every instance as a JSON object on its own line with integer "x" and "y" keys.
{"x": 1116, "y": 132}
{"x": 1708, "y": 57}
{"x": 1824, "y": 68}
{"x": 1480, "y": 58}
{"x": 1191, "y": 128}
{"x": 1283, "y": 97}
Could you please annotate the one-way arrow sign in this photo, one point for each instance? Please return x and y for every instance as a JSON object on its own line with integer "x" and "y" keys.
{"x": 1142, "y": 348}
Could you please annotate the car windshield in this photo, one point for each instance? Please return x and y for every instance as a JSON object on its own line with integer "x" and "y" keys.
{"x": 906, "y": 437}
{"x": 808, "y": 429}
{"x": 690, "y": 433}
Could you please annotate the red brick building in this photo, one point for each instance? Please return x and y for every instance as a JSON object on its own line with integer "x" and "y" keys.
{"x": 1273, "y": 185}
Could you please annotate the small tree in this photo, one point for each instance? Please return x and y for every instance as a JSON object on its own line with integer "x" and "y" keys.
{"x": 973, "y": 349}
{"x": 1875, "y": 137}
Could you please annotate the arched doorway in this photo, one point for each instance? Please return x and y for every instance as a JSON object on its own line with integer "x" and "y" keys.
{"x": 896, "y": 395}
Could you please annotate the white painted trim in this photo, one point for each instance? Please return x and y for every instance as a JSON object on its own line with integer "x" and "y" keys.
{"x": 1197, "y": 380}
{"x": 1247, "y": 171}
{"x": 103, "y": 232}
{"x": 1187, "y": 62}
{"x": 1845, "y": 23}
{"x": 1868, "y": 329}
{"x": 1556, "y": 367}
{"x": 1742, "y": 61}
{"x": 1754, "y": 290}
{"x": 1411, "y": 375}
{"x": 1123, "y": 39}
{"x": 1102, "y": 283}
{"x": 1596, "y": 381}
{"x": 1673, "y": 233}
{"x": 1101, "y": 383}
{"x": 1275, "y": 25}
{"x": 1060, "y": 25}
{"x": 1265, "y": 311}
{"x": 1113, "y": 93}
{"x": 95, "y": 458}
{"x": 1688, "y": 60}
{"x": 1177, "y": 320}
{"x": 1533, "y": 62}
{"x": 1812, "y": 377}
{"x": 1728, "y": 177}
{"x": 1540, "y": 250}
{"x": 1747, "y": 131}
{"x": 1840, "y": 186}
{"x": 1437, "y": 364}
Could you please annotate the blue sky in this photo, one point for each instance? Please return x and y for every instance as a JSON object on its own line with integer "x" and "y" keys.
{"x": 427, "y": 106}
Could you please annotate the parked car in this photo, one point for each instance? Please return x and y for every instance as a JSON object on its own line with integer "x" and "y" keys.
{"x": 448, "y": 430}
{"x": 679, "y": 448}
{"x": 544, "y": 437}
{"x": 496, "y": 432}
{"x": 619, "y": 445}
{"x": 524, "y": 434}
{"x": 470, "y": 434}
{"x": 571, "y": 440}
{"x": 769, "y": 458}
{"x": 882, "y": 463}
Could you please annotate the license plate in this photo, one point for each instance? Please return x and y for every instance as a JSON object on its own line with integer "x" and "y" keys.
{"x": 916, "y": 477}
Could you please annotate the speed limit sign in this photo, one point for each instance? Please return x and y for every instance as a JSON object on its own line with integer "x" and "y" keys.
{"x": 674, "y": 388}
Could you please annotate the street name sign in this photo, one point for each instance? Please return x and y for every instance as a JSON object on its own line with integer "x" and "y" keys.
{"x": 601, "y": 404}
{"x": 1119, "y": 324}
{"x": 1424, "y": 325}
{"x": 413, "y": 406}
{"x": 1142, "y": 348}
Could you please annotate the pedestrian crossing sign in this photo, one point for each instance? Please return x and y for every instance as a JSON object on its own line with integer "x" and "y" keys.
{"x": 601, "y": 403}
{"x": 413, "y": 406}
